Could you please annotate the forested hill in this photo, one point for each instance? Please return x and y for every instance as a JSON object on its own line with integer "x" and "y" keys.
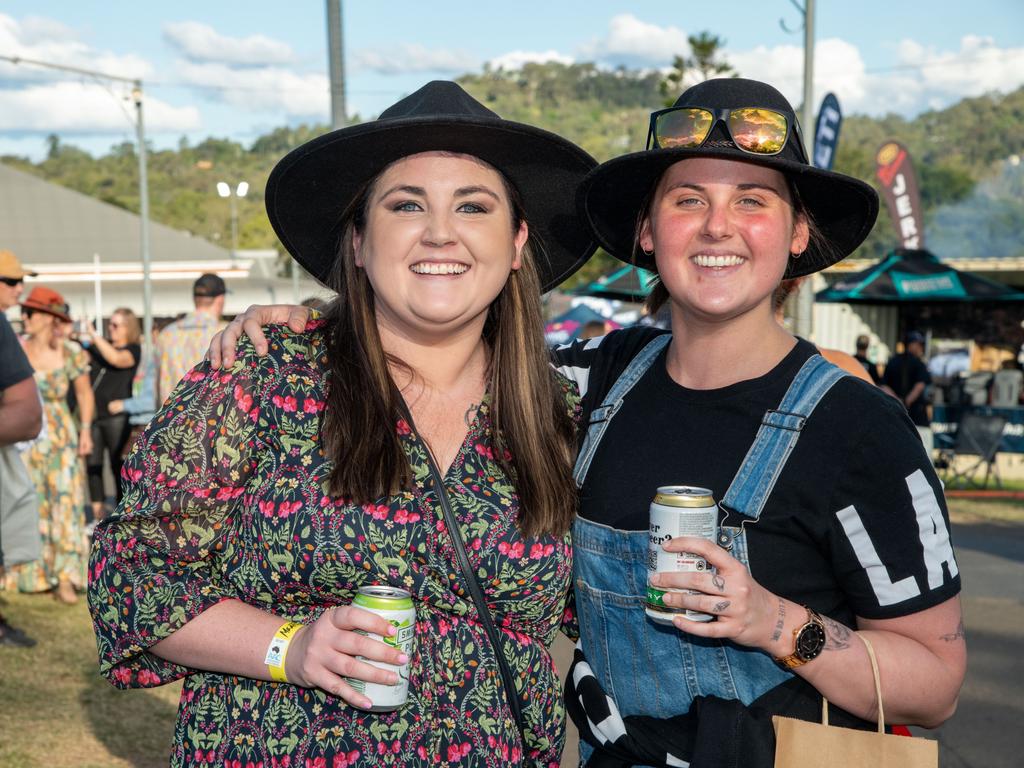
{"x": 972, "y": 194}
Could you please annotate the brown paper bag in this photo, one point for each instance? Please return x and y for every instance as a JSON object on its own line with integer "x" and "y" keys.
{"x": 802, "y": 744}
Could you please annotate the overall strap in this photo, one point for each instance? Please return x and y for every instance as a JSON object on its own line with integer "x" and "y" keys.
{"x": 777, "y": 436}
{"x": 601, "y": 417}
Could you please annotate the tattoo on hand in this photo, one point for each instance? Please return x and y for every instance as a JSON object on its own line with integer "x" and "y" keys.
{"x": 719, "y": 607}
{"x": 837, "y": 637}
{"x": 952, "y": 637}
{"x": 719, "y": 582}
{"x": 781, "y": 622}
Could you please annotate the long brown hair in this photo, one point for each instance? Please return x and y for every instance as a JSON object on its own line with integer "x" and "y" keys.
{"x": 533, "y": 436}
{"x": 132, "y": 326}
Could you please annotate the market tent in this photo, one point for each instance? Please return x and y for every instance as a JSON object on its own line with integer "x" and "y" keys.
{"x": 567, "y": 326}
{"x": 908, "y": 276}
{"x": 624, "y": 284}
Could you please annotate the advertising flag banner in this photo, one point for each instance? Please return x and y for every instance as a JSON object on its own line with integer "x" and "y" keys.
{"x": 902, "y": 197}
{"x": 826, "y": 132}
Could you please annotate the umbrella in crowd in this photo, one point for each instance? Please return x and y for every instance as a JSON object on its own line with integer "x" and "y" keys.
{"x": 568, "y": 326}
{"x": 624, "y": 284}
{"x": 907, "y": 276}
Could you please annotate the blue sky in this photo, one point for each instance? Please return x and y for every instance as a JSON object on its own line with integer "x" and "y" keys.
{"x": 238, "y": 69}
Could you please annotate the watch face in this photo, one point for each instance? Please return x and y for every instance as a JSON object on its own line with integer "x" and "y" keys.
{"x": 810, "y": 641}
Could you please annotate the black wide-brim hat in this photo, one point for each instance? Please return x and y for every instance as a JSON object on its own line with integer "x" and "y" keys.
{"x": 844, "y": 208}
{"x": 312, "y": 186}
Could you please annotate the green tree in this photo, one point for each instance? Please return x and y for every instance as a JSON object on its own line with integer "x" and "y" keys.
{"x": 704, "y": 59}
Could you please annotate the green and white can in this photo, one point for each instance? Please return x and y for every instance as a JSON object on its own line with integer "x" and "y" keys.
{"x": 678, "y": 510}
{"x": 394, "y": 605}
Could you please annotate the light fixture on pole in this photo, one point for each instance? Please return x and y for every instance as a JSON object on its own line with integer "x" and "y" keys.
{"x": 224, "y": 190}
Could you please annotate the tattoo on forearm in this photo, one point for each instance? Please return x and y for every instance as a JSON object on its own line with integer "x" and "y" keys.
{"x": 781, "y": 621}
{"x": 719, "y": 607}
{"x": 952, "y": 637}
{"x": 719, "y": 582}
{"x": 837, "y": 637}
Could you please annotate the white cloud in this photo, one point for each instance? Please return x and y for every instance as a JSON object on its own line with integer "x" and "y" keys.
{"x": 262, "y": 89}
{"x": 515, "y": 59}
{"x": 634, "y": 42}
{"x": 404, "y": 58}
{"x": 201, "y": 42}
{"x": 86, "y": 108}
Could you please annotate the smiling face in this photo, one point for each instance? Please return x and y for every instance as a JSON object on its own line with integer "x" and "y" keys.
{"x": 438, "y": 243}
{"x": 722, "y": 232}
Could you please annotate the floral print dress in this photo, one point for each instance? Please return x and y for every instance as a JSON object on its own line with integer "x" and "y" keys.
{"x": 59, "y": 475}
{"x": 226, "y": 498}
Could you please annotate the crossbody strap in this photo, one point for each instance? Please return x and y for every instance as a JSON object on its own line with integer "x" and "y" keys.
{"x": 601, "y": 416}
{"x": 483, "y": 612}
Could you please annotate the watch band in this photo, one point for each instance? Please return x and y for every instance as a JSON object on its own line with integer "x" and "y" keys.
{"x": 814, "y": 632}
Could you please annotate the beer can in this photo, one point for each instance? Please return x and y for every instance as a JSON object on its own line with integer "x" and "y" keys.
{"x": 677, "y": 510}
{"x": 394, "y": 605}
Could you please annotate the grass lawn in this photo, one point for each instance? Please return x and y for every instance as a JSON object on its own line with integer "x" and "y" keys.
{"x": 56, "y": 711}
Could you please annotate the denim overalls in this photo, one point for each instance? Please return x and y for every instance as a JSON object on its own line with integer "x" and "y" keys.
{"x": 652, "y": 669}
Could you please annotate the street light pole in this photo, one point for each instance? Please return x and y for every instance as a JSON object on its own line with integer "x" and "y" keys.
{"x": 224, "y": 190}
{"x": 140, "y": 135}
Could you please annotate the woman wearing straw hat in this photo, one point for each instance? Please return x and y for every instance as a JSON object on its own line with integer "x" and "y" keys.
{"x": 55, "y": 460}
{"x": 836, "y": 523}
{"x": 413, "y": 437}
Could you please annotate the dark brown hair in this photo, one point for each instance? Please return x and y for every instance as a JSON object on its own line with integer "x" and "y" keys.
{"x": 533, "y": 436}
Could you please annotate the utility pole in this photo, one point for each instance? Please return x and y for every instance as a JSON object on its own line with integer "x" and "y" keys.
{"x": 336, "y": 63}
{"x": 140, "y": 137}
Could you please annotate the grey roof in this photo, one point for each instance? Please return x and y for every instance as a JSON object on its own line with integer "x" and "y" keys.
{"x": 45, "y": 223}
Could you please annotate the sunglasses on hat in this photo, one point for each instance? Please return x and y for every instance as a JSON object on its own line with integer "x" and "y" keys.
{"x": 12, "y": 281}
{"x": 756, "y": 130}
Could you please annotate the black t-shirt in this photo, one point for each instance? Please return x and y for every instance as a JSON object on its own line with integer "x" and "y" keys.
{"x": 857, "y": 523}
{"x": 14, "y": 365}
{"x": 870, "y": 367}
{"x": 110, "y": 383}
{"x": 901, "y": 374}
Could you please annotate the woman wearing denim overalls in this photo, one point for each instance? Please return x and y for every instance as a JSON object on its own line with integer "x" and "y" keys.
{"x": 835, "y": 521}
{"x": 832, "y": 519}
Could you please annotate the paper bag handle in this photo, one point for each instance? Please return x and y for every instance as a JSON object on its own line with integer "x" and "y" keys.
{"x": 878, "y": 688}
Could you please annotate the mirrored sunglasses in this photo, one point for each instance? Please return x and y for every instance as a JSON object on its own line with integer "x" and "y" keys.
{"x": 756, "y": 130}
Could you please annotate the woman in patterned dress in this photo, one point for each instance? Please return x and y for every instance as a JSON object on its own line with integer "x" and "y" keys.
{"x": 272, "y": 491}
{"x": 55, "y": 459}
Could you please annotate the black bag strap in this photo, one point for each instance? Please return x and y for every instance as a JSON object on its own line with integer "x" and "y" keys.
{"x": 483, "y": 612}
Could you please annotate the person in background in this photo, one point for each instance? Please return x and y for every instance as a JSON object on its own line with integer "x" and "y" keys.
{"x": 20, "y": 420}
{"x": 906, "y": 378}
{"x": 112, "y": 367}
{"x": 861, "y": 356}
{"x": 12, "y": 279}
{"x": 55, "y": 462}
{"x": 183, "y": 343}
{"x": 141, "y": 406}
{"x": 592, "y": 329}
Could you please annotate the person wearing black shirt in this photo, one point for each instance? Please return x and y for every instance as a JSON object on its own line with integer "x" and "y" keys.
{"x": 861, "y": 356}
{"x": 21, "y": 417}
{"x": 906, "y": 377}
{"x": 112, "y": 368}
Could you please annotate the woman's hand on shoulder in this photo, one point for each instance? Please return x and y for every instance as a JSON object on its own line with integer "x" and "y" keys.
{"x": 222, "y": 346}
{"x": 329, "y": 650}
{"x": 745, "y": 612}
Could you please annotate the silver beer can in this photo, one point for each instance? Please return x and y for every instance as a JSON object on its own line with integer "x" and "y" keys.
{"x": 395, "y": 606}
{"x": 678, "y": 510}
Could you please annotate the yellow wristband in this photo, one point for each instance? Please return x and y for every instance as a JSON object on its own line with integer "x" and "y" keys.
{"x": 277, "y": 651}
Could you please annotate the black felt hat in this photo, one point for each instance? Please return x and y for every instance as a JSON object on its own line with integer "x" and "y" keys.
{"x": 844, "y": 208}
{"x": 311, "y": 187}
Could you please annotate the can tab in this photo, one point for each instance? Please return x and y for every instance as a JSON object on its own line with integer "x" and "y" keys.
{"x": 794, "y": 422}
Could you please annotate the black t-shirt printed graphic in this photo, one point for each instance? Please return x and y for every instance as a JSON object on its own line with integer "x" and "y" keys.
{"x": 110, "y": 383}
{"x": 856, "y": 525}
{"x": 14, "y": 365}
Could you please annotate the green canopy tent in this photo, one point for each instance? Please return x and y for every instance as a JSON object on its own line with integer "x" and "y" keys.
{"x": 624, "y": 284}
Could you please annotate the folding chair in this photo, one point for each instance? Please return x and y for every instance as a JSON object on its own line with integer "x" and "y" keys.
{"x": 977, "y": 444}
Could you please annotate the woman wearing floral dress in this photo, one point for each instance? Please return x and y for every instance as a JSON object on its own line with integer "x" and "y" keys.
{"x": 271, "y": 491}
{"x": 55, "y": 459}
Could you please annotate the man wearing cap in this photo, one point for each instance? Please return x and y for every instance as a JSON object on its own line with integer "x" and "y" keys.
{"x": 12, "y": 279}
{"x": 905, "y": 378}
{"x": 183, "y": 343}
